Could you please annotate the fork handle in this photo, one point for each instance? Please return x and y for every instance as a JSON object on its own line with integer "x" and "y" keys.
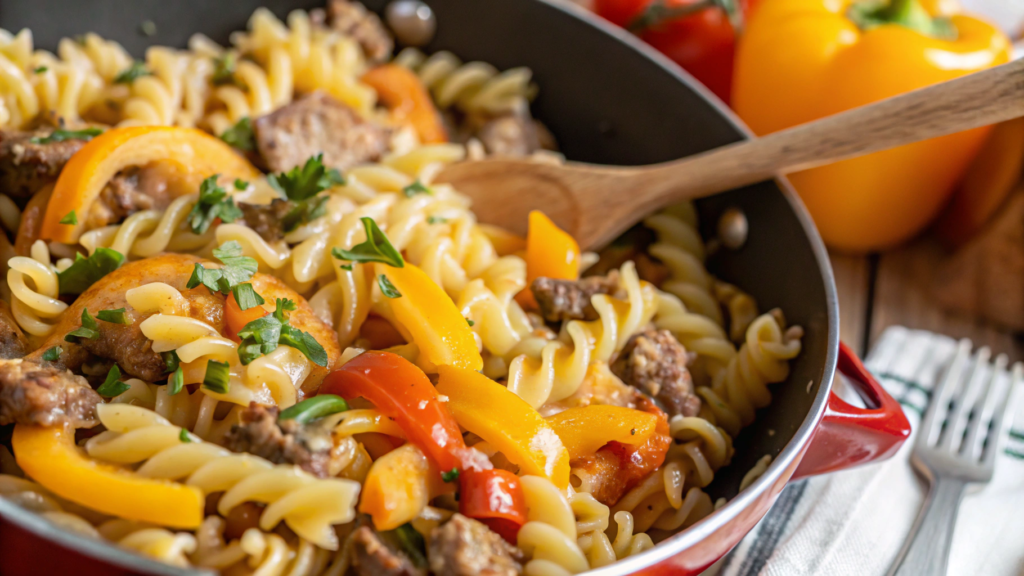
{"x": 926, "y": 552}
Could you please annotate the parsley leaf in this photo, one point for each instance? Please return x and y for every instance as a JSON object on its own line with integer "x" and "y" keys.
{"x": 451, "y": 475}
{"x": 130, "y": 74}
{"x": 218, "y": 376}
{"x": 60, "y": 135}
{"x": 184, "y": 437}
{"x": 84, "y": 272}
{"x": 387, "y": 288}
{"x": 240, "y": 136}
{"x": 303, "y": 212}
{"x": 241, "y": 184}
{"x": 213, "y": 203}
{"x": 236, "y": 269}
{"x": 246, "y": 297}
{"x": 470, "y": 322}
{"x": 377, "y": 248}
{"x": 89, "y": 329}
{"x": 224, "y": 70}
{"x": 263, "y": 336}
{"x": 52, "y": 354}
{"x": 176, "y": 381}
{"x": 113, "y": 386}
{"x": 415, "y": 188}
{"x": 436, "y": 220}
{"x": 114, "y": 316}
{"x": 40, "y": 69}
{"x": 307, "y": 181}
{"x": 69, "y": 218}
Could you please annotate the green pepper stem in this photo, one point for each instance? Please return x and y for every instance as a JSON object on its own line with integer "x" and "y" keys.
{"x": 907, "y": 13}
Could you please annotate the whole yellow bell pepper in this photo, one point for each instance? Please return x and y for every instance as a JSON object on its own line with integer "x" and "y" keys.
{"x": 584, "y": 430}
{"x": 49, "y": 456}
{"x": 506, "y": 422}
{"x": 800, "y": 60}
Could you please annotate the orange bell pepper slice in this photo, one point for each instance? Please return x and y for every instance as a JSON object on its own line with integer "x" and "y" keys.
{"x": 496, "y": 498}
{"x": 235, "y": 318}
{"x": 196, "y": 153}
{"x": 506, "y": 422}
{"x": 550, "y": 253}
{"x": 430, "y": 317}
{"x": 408, "y": 100}
{"x": 397, "y": 487}
{"x": 585, "y": 430}
{"x": 49, "y": 456}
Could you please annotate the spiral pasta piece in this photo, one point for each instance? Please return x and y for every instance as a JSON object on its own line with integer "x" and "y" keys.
{"x": 474, "y": 87}
{"x": 680, "y": 248}
{"x": 35, "y": 291}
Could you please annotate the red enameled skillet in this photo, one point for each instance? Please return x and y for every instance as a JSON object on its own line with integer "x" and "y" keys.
{"x": 608, "y": 99}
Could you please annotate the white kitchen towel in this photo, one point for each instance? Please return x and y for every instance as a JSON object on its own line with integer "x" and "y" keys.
{"x": 854, "y": 522}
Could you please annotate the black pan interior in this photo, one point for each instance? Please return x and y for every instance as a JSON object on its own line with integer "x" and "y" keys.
{"x": 605, "y": 101}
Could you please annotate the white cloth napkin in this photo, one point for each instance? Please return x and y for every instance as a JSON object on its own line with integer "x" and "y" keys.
{"x": 854, "y": 522}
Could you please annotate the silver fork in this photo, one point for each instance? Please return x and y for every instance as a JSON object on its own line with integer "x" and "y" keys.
{"x": 956, "y": 445}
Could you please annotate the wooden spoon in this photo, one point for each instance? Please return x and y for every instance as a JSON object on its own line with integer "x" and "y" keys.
{"x": 597, "y": 203}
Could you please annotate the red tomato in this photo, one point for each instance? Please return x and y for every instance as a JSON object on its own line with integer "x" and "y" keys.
{"x": 696, "y": 34}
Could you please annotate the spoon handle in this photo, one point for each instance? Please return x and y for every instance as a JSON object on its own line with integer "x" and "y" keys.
{"x": 968, "y": 102}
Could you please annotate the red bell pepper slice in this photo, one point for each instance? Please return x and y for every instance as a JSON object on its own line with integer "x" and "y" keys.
{"x": 494, "y": 497}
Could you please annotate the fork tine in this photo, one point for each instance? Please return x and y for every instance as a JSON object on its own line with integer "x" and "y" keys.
{"x": 931, "y": 426}
{"x": 1000, "y": 423}
{"x": 979, "y": 427}
{"x": 956, "y": 422}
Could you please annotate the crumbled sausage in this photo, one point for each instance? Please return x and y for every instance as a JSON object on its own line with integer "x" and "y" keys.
{"x": 12, "y": 339}
{"x": 352, "y": 19}
{"x": 309, "y": 447}
{"x": 372, "y": 556}
{"x": 25, "y": 167}
{"x": 465, "y": 547}
{"x": 570, "y": 300}
{"x": 31, "y": 393}
{"x": 318, "y": 124}
{"x": 655, "y": 362}
{"x": 130, "y": 191}
{"x": 267, "y": 219}
{"x": 513, "y": 134}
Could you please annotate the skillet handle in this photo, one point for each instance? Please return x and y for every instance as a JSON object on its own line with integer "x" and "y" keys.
{"x": 849, "y": 436}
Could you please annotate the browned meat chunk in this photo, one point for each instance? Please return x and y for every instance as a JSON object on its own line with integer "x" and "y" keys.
{"x": 372, "y": 556}
{"x": 570, "y": 300}
{"x": 655, "y": 362}
{"x": 31, "y": 393}
{"x": 352, "y": 19}
{"x": 129, "y": 192}
{"x": 283, "y": 442}
{"x": 267, "y": 219}
{"x": 25, "y": 167}
{"x": 128, "y": 346}
{"x": 12, "y": 339}
{"x": 318, "y": 124}
{"x": 465, "y": 547}
{"x": 513, "y": 134}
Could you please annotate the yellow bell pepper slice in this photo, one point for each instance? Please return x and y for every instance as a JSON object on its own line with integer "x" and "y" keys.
{"x": 550, "y": 253}
{"x": 506, "y": 422}
{"x": 195, "y": 153}
{"x": 586, "y": 429}
{"x": 430, "y": 317}
{"x": 49, "y": 456}
{"x": 398, "y": 487}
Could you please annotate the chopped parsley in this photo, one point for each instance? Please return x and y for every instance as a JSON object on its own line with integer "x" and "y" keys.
{"x": 346, "y": 267}
{"x": 89, "y": 329}
{"x": 52, "y": 354}
{"x": 184, "y": 437}
{"x": 213, "y": 203}
{"x": 470, "y": 322}
{"x": 40, "y": 69}
{"x": 415, "y": 188}
{"x": 263, "y": 336}
{"x": 113, "y": 386}
{"x": 451, "y": 475}
{"x": 218, "y": 377}
{"x": 60, "y": 135}
{"x": 70, "y": 218}
{"x": 387, "y": 288}
{"x": 84, "y": 272}
{"x": 236, "y": 269}
{"x": 240, "y": 135}
{"x": 246, "y": 297}
{"x": 436, "y": 220}
{"x": 176, "y": 381}
{"x": 241, "y": 184}
{"x": 302, "y": 185}
{"x": 376, "y": 248}
{"x": 224, "y": 70}
{"x": 114, "y": 316}
{"x": 132, "y": 73}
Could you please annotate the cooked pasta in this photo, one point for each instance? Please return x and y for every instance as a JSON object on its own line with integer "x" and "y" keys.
{"x": 334, "y": 366}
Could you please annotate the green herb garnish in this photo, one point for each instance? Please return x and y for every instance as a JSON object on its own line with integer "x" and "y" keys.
{"x": 313, "y": 408}
{"x": 236, "y": 269}
{"x": 118, "y": 316}
{"x": 224, "y": 70}
{"x": 52, "y": 354}
{"x": 171, "y": 360}
{"x": 40, "y": 69}
{"x": 184, "y": 437}
{"x": 264, "y": 335}
{"x": 240, "y": 135}
{"x": 241, "y": 184}
{"x": 387, "y": 288}
{"x": 60, "y": 135}
{"x": 132, "y": 73}
{"x": 217, "y": 378}
{"x": 70, "y": 218}
{"x": 346, "y": 267}
{"x": 84, "y": 272}
{"x": 176, "y": 381}
{"x": 376, "y": 248}
{"x": 213, "y": 203}
{"x": 436, "y": 220}
{"x": 113, "y": 386}
{"x": 451, "y": 475}
{"x": 246, "y": 297}
{"x": 302, "y": 185}
{"x": 415, "y": 188}
{"x": 89, "y": 329}
{"x": 470, "y": 322}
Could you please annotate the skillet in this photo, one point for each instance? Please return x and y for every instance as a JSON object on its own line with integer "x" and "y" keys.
{"x": 608, "y": 99}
